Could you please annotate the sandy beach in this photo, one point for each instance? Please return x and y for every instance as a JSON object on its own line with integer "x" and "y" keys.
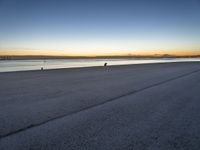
{"x": 144, "y": 106}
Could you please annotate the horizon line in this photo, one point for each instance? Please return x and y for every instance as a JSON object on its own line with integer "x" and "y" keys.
{"x": 129, "y": 55}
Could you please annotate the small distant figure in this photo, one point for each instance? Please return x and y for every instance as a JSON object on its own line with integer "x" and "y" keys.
{"x": 105, "y": 64}
{"x": 42, "y": 68}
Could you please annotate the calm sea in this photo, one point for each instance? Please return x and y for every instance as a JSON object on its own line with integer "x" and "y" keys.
{"x": 19, "y": 65}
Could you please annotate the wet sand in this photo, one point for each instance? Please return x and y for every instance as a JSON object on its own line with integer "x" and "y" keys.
{"x": 146, "y": 106}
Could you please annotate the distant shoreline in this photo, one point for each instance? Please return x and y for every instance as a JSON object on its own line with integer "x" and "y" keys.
{"x": 89, "y": 57}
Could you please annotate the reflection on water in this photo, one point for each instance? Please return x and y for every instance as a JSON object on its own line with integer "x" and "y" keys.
{"x": 19, "y": 65}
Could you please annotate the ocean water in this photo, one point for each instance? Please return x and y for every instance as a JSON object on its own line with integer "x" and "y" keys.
{"x": 21, "y": 65}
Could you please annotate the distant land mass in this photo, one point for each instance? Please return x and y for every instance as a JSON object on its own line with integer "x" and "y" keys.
{"x": 35, "y": 57}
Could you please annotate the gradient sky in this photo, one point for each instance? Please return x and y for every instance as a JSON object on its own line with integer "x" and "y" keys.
{"x": 99, "y": 27}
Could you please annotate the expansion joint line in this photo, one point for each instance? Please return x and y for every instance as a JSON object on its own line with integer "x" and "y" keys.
{"x": 99, "y": 104}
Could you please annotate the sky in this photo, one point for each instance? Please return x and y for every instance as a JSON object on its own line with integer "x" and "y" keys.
{"x": 99, "y": 27}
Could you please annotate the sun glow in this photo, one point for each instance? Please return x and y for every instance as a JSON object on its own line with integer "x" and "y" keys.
{"x": 103, "y": 52}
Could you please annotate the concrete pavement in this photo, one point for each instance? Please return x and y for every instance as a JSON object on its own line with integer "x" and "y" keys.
{"x": 154, "y": 106}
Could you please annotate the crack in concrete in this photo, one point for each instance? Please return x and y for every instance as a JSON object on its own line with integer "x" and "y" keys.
{"x": 96, "y": 105}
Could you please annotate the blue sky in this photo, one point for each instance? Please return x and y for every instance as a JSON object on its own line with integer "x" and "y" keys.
{"x": 99, "y": 27}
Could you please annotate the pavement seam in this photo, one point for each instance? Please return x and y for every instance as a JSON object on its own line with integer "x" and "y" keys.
{"x": 99, "y": 104}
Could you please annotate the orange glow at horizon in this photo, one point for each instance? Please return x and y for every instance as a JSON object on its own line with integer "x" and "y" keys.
{"x": 103, "y": 53}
